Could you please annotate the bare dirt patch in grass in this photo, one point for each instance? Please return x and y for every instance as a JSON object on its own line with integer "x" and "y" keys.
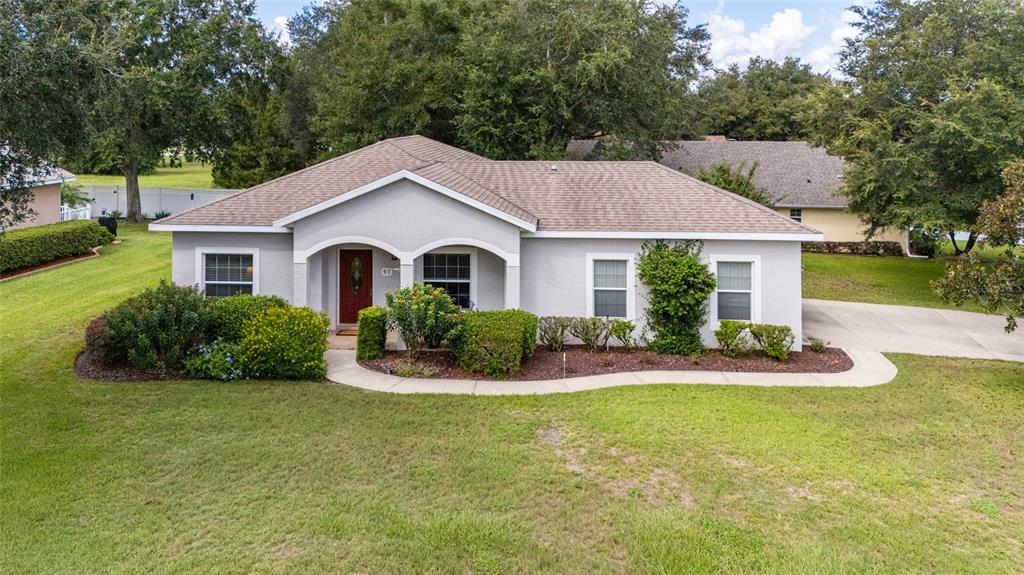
{"x": 579, "y": 362}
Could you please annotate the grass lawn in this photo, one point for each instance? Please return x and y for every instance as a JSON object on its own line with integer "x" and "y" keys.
{"x": 873, "y": 279}
{"x": 190, "y": 175}
{"x": 920, "y": 475}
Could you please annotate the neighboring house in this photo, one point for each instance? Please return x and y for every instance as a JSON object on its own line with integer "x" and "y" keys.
{"x": 553, "y": 238}
{"x": 804, "y": 180}
{"x": 45, "y": 203}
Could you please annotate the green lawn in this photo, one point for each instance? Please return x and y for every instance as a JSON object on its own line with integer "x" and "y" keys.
{"x": 873, "y": 279}
{"x": 190, "y": 175}
{"x": 921, "y": 475}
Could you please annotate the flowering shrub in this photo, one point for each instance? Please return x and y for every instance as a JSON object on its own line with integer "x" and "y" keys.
{"x": 218, "y": 360}
{"x": 679, "y": 284}
{"x": 422, "y": 314}
{"x": 231, "y": 313}
{"x": 285, "y": 343}
{"x": 157, "y": 328}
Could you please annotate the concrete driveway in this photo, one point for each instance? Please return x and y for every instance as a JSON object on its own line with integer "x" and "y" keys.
{"x": 920, "y": 330}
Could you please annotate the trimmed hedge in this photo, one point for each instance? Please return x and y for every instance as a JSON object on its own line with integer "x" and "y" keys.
{"x": 775, "y": 340}
{"x": 373, "y": 332}
{"x": 493, "y": 342}
{"x": 869, "y": 248}
{"x": 285, "y": 343}
{"x": 230, "y": 313}
{"x": 733, "y": 338}
{"x": 28, "y": 247}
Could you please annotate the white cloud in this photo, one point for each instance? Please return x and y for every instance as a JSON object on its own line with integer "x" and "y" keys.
{"x": 826, "y": 58}
{"x": 280, "y": 26}
{"x": 783, "y": 36}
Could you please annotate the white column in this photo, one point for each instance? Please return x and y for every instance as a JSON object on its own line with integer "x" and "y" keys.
{"x": 511, "y": 286}
{"x": 299, "y": 284}
{"x": 406, "y": 273}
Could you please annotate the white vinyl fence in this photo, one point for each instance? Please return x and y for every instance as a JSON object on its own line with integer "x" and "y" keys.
{"x": 67, "y": 213}
{"x": 106, "y": 199}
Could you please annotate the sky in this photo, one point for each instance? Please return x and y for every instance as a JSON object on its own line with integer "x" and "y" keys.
{"x": 740, "y": 29}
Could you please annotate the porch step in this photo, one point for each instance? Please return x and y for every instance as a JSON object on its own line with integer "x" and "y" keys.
{"x": 348, "y": 331}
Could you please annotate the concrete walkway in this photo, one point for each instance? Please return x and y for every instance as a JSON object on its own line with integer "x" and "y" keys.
{"x": 870, "y": 368}
{"x": 906, "y": 329}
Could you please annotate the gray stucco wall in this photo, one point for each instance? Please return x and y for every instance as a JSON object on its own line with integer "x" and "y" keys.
{"x": 407, "y": 216}
{"x": 275, "y": 257}
{"x": 554, "y": 277}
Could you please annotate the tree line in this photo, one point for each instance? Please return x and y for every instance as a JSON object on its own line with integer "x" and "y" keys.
{"x": 927, "y": 103}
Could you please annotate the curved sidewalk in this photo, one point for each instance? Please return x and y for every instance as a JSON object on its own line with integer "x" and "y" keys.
{"x": 869, "y": 368}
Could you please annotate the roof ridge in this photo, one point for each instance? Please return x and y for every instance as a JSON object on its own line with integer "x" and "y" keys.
{"x": 735, "y": 197}
{"x": 525, "y": 211}
{"x": 281, "y": 177}
{"x": 421, "y": 136}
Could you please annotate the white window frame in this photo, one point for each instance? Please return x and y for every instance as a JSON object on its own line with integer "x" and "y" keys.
{"x": 629, "y": 258}
{"x": 202, "y": 252}
{"x": 799, "y": 217}
{"x": 473, "y": 277}
{"x": 755, "y": 285}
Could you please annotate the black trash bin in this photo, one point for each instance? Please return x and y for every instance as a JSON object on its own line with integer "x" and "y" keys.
{"x": 109, "y": 223}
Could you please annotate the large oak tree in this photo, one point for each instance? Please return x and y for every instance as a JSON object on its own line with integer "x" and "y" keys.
{"x": 931, "y": 112}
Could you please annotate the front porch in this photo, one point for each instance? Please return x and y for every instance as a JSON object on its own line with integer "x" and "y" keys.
{"x": 353, "y": 273}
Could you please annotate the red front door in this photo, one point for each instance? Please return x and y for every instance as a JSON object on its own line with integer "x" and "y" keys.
{"x": 356, "y": 283}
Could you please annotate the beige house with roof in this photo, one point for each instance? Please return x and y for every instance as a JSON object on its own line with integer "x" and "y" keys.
{"x": 804, "y": 181}
{"x": 45, "y": 204}
{"x": 552, "y": 238}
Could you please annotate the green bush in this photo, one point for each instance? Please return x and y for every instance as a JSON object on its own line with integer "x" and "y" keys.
{"x": 591, "y": 331}
{"x": 219, "y": 360}
{"x": 158, "y": 328}
{"x": 818, "y": 345}
{"x": 422, "y": 314}
{"x": 679, "y": 284}
{"x": 285, "y": 343}
{"x": 528, "y": 321}
{"x": 775, "y": 340}
{"x": 924, "y": 242}
{"x": 232, "y": 312}
{"x": 34, "y": 246}
{"x": 553, "y": 330}
{"x": 732, "y": 338}
{"x": 373, "y": 333}
{"x": 622, "y": 330}
{"x": 491, "y": 342}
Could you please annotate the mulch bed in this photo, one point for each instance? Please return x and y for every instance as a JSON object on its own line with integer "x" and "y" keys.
{"x": 90, "y": 365}
{"x": 579, "y": 362}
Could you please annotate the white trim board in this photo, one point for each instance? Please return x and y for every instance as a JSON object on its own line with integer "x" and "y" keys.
{"x": 156, "y": 227}
{"x": 405, "y": 175}
{"x": 200, "y": 276}
{"x": 764, "y": 237}
{"x": 630, "y": 281}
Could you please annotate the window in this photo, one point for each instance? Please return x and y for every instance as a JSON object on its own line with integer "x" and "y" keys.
{"x": 735, "y": 290}
{"x": 796, "y": 214}
{"x": 610, "y": 285}
{"x": 452, "y": 272}
{"x": 227, "y": 274}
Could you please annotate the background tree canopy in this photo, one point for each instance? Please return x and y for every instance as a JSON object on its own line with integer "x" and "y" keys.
{"x": 764, "y": 101}
{"x": 932, "y": 111}
{"x": 505, "y": 79}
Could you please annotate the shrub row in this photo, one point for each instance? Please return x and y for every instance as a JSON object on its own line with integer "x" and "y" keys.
{"x": 868, "y": 248}
{"x": 739, "y": 337}
{"x": 171, "y": 327}
{"x": 494, "y": 342}
{"x": 593, "y": 332}
{"x": 34, "y": 246}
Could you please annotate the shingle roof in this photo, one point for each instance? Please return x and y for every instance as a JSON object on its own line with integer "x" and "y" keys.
{"x": 796, "y": 174}
{"x": 556, "y": 196}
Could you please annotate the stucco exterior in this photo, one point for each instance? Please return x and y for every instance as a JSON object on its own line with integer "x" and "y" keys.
{"x": 46, "y": 205}
{"x": 841, "y": 225}
{"x": 511, "y": 266}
